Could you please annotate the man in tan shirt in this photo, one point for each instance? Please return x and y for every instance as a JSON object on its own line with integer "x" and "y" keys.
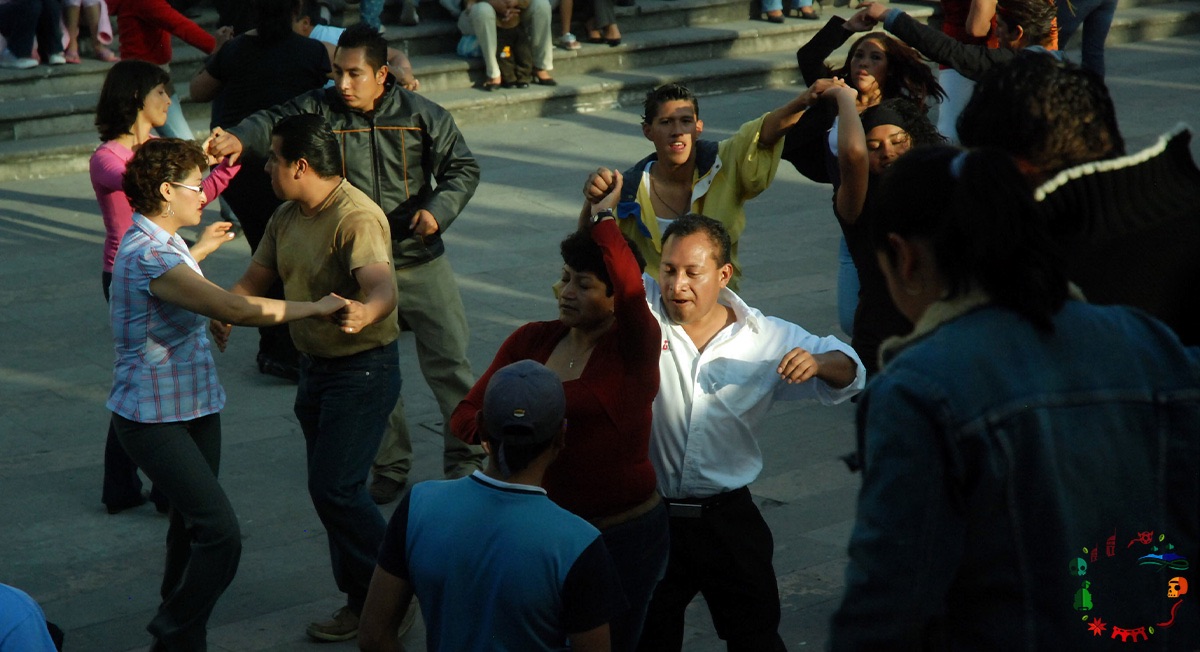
{"x": 330, "y": 237}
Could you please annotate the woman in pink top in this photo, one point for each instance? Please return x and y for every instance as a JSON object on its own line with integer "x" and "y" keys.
{"x": 133, "y": 101}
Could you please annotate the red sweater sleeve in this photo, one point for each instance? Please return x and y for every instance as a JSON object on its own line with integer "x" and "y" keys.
{"x": 463, "y": 422}
{"x": 164, "y": 16}
{"x": 638, "y": 330}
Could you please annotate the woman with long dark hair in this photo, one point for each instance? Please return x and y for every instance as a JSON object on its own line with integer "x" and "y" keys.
{"x": 166, "y": 399}
{"x": 133, "y": 102}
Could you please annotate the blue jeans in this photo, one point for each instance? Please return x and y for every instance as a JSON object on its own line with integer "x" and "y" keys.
{"x": 204, "y": 542}
{"x": 176, "y": 125}
{"x": 1096, "y": 16}
{"x": 777, "y": 5}
{"x": 639, "y": 551}
{"x": 343, "y": 405}
{"x": 847, "y": 288}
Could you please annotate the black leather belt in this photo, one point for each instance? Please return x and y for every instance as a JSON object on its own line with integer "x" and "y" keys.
{"x": 696, "y": 507}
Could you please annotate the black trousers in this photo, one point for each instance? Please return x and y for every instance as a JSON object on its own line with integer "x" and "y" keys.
{"x": 723, "y": 551}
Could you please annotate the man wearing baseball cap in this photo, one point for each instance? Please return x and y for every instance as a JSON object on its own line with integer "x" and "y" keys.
{"x": 494, "y": 563}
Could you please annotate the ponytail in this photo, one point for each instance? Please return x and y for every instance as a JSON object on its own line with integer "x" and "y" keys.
{"x": 977, "y": 212}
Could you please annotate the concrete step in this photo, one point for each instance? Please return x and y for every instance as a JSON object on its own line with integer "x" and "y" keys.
{"x": 54, "y": 134}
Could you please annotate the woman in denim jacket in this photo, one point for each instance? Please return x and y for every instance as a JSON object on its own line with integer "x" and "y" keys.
{"x": 1031, "y": 462}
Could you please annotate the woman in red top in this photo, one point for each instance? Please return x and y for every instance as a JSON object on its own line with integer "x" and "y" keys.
{"x": 604, "y": 346}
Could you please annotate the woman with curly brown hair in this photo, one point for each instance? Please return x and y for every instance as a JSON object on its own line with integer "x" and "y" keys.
{"x": 133, "y": 102}
{"x": 166, "y": 400}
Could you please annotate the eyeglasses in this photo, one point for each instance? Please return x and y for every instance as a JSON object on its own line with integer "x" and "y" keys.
{"x": 184, "y": 185}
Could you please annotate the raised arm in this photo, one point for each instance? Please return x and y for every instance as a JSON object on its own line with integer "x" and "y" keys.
{"x": 853, "y": 165}
{"x": 969, "y": 60}
{"x": 812, "y": 55}
{"x": 639, "y": 329}
{"x": 979, "y": 17}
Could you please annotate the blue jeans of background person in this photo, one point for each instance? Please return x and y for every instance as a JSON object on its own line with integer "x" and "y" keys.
{"x": 177, "y": 125}
{"x": 204, "y": 543}
{"x": 777, "y": 5}
{"x": 24, "y": 20}
{"x": 1096, "y": 16}
{"x": 639, "y": 551}
{"x": 343, "y": 405}
{"x": 847, "y": 288}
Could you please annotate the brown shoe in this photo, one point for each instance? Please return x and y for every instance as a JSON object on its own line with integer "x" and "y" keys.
{"x": 384, "y": 490}
{"x": 342, "y": 627}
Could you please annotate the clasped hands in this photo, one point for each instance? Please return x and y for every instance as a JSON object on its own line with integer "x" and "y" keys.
{"x": 350, "y": 316}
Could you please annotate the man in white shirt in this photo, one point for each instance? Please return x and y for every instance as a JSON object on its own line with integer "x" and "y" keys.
{"x": 722, "y": 366}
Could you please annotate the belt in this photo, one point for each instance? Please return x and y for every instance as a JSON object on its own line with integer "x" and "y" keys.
{"x": 629, "y": 514}
{"x": 696, "y": 507}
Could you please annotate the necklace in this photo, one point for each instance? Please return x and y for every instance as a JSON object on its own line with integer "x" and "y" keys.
{"x": 654, "y": 189}
{"x": 571, "y": 362}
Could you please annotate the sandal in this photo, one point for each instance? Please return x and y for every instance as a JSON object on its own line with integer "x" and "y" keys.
{"x": 569, "y": 42}
{"x": 106, "y": 55}
{"x": 811, "y": 14}
{"x": 772, "y": 19}
{"x": 489, "y": 85}
{"x": 71, "y": 57}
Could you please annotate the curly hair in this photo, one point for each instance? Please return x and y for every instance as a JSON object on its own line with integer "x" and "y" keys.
{"x": 908, "y": 73}
{"x": 1049, "y": 113}
{"x": 156, "y": 161}
{"x": 124, "y": 94}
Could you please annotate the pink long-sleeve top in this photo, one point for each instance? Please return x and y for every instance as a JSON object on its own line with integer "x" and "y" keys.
{"x": 108, "y": 169}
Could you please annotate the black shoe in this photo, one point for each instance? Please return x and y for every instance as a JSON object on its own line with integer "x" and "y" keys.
{"x": 278, "y": 369}
{"x": 549, "y": 81}
{"x": 117, "y": 508}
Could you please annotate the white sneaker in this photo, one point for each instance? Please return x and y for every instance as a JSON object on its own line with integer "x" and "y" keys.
{"x": 10, "y": 60}
{"x": 57, "y": 59}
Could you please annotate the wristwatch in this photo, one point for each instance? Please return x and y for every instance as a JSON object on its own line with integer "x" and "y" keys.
{"x": 608, "y": 212}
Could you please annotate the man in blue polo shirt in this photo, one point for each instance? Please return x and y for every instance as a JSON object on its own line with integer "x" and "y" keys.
{"x": 494, "y": 563}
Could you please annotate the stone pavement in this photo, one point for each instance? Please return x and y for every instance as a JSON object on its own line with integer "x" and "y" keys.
{"x": 97, "y": 575}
